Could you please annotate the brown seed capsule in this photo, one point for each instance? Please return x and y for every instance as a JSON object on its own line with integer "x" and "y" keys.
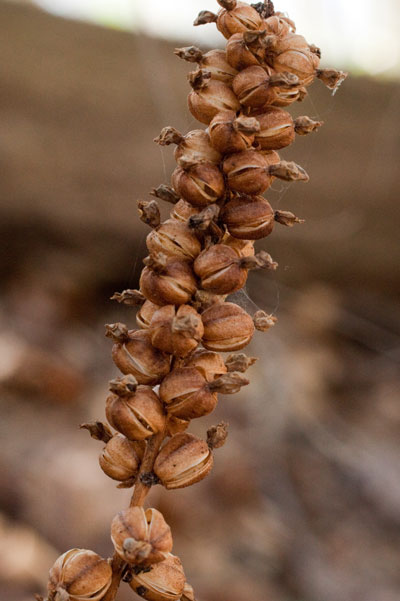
{"x": 183, "y": 211}
{"x": 223, "y": 272}
{"x": 200, "y": 184}
{"x": 164, "y": 582}
{"x": 144, "y": 316}
{"x": 282, "y": 97}
{"x": 292, "y": 54}
{"x": 183, "y": 461}
{"x": 175, "y": 240}
{"x": 248, "y": 217}
{"x": 211, "y": 365}
{"x": 230, "y": 134}
{"x": 209, "y": 97}
{"x": 247, "y": 172}
{"x": 141, "y": 537}
{"x": 252, "y": 85}
{"x": 136, "y": 413}
{"x": 277, "y": 129}
{"x": 245, "y": 49}
{"x": 119, "y": 459}
{"x": 186, "y": 394}
{"x": 167, "y": 282}
{"x": 227, "y": 327}
{"x": 214, "y": 61}
{"x": 237, "y": 17}
{"x": 79, "y": 575}
{"x": 137, "y": 356}
{"x": 252, "y": 172}
{"x": 176, "y": 331}
{"x": 195, "y": 147}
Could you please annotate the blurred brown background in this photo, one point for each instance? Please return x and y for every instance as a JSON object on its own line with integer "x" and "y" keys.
{"x": 304, "y": 500}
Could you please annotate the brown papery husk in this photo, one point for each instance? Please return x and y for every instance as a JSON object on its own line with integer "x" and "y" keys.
{"x": 214, "y": 97}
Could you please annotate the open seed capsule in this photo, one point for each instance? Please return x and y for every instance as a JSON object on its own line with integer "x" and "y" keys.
{"x": 229, "y": 133}
{"x": 138, "y": 414}
{"x": 174, "y": 240}
{"x": 227, "y": 327}
{"x": 119, "y": 459}
{"x": 79, "y": 575}
{"x": 248, "y": 217}
{"x": 201, "y": 184}
{"x": 247, "y": 172}
{"x": 137, "y": 356}
{"x": 243, "y": 50}
{"x": 194, "y": 147}
{"x": 176, "y": 331}
{"x": 209, "y": 97}
{"x": 183, "y": 461}
{"x": 292, "y": 54}
{"x": 213, "y": 61}
{"x": 166, "y": 282}
{"x": 164, "y": 582}
{"x": 141, "y": 537}
{"x": 279, "y": 25}
{"x": 237, "y": 19}
{"x": 186, "y": 394}
{"x": 220, "y": 270}
{"x": 252, "y": 85}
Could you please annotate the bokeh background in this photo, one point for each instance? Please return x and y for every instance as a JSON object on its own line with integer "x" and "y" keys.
{"x": 304, "y": 500}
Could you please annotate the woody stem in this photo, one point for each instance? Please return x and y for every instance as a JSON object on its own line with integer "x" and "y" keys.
{"x": 140, "y": 493}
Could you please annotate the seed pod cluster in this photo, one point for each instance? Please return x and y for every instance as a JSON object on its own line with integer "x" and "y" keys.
{"x": 172, "y": 367}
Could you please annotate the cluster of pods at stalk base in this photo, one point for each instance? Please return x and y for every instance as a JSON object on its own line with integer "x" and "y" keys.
{"x": 172, "y": 365}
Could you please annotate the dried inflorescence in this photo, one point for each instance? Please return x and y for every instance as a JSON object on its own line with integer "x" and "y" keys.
{"x": 173, "y": 367}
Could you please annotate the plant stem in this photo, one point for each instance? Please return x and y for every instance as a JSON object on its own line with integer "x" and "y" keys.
{"x": 140, "y": 493}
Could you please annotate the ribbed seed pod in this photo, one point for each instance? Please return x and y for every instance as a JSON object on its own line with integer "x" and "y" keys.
{"x": 227, "y": 327}
{"x": 248, "y": 217}
{"x": 220, "y": 270}
{"x": 279, "y": 25}
{"x": 183, "y": 461}
{"x": 164, "y": 582}
{"x": 186, "y": 394}
{"x": 292, "y": 54}
{"x": 213, "y": 61}
{"x": 141, "y": 537}
{"x": 176, "y": 331}
{"x": 209, "y": 97}
{"x": 237, "y": 19}
{"x": 195, "y": 147}
{"x": 201, "y": 184}
{"x": 211, "y": 365}
{"x": 282, "y": 97}
{"x": 244, "y": 50}
{"x": 137, "y": 414}
{"x": 247, "y": 172}
{"x": 229, "y": 133}
{"x": 145, "y": 314}
{"x": 175, "y": 240}
{"x": 79, "y": 575}
{"x": 278, "y": 129}
{"x": 252, "y": 85}
{"x": 137, "y": 356}
{"x": 168, "y": 282}
{"x": 119, "y": 459}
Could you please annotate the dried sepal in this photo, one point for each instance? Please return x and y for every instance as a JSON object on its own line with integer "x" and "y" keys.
{"x": 261, "y": 260}
{"x": 132, "y": 298}
{"x": 289, "y": 172}
{"x": 165, "y": 193}
{"x": 264, "y": 322}
{"x": 203, "y": 299}
{"x": 332, "y": 78}
{"x": 229, "y": 383}
{"x": 165, "y": 581}
{"x": 287, "y": 218}
{"x": 305, "y": 125}
{"x": 149, "y": 212}
{"x": 79, "y": 575}
{"x": 265, "y": 9}
{"x": 141, "y": 537}
{"x": 202, "y": 221}
{"x": 118, "y": 332}
{"x": 183, "y": 211}
{"x": 239, "y": 362}
{"x": 183, "y": 461}
{"x": 204, "y": 17}
{"x": 217, "y": 435}
{"x": 98, "y": 431}
{"x": 213, "y": 61}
